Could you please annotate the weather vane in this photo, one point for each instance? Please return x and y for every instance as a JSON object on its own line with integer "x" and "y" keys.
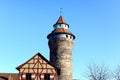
{"x": 61, "y": 11}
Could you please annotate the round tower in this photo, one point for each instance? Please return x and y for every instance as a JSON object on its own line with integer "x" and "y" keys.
{"x": 61, "y": 44}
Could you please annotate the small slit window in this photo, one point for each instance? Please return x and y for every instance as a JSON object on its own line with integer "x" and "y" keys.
{"x": 66, "y": 36}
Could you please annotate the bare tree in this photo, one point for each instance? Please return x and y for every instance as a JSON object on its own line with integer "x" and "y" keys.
{"x": 116, "y": 73}
{"x": 97, "y": 72}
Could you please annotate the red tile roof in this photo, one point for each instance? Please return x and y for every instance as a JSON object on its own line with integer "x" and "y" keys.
{"x": 61, "y": 30}
{"x": 60, "y": 21}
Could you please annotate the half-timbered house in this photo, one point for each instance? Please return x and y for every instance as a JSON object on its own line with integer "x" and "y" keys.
{"x": 38, "y": 68}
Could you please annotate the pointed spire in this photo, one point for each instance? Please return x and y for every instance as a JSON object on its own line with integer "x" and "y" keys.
{"x": 60, "y": 21}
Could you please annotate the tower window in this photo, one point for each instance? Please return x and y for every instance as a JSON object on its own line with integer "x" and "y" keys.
{"x": 70, "y": 37}
{"x": 60, "y": 25}
{"x": 65, "y": 25}
{"x": 66, "y": 36}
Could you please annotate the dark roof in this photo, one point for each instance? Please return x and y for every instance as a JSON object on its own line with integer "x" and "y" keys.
{"x": 43, "y": 59}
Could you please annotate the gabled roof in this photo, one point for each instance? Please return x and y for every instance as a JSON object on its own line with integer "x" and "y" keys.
{"x": 48, "y": 62}
{"x": 60, "y": 21}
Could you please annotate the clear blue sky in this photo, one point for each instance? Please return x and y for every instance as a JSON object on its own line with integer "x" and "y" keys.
{"x": 24, "y": 25}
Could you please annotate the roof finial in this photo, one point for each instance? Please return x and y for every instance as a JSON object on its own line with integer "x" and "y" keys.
{"x": 61, "y": 11}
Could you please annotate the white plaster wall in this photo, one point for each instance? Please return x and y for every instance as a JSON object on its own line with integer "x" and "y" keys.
{"x": 63, "y": 35}
{"x": 61, "y": 26}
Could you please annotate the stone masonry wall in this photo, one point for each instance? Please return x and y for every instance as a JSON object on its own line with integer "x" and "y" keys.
{"x": 61, "y": 56}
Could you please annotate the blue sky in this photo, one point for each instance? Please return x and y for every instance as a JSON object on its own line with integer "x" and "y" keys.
{"x": 25, "y": 24}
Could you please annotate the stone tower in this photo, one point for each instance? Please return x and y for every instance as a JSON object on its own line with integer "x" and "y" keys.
{"x": 60, "y": 44}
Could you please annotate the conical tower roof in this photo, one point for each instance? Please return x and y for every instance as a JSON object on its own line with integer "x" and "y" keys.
{"x": 60, "y": 30}
{"x": 60, "y": 21}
